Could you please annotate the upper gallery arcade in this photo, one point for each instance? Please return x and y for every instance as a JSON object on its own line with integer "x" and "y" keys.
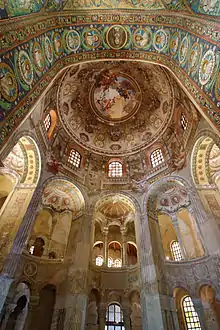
{"x": 109, "y": 165}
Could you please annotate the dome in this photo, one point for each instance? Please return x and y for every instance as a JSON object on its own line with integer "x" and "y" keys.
{"x": 115, "y": 108}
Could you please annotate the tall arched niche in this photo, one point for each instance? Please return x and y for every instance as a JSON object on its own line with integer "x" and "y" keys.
{"x": 61, "y": 203}
{"x": 19, "y": 178}
{"x": 172, "y": 218}
{"x": 205, "y": 168}
{"x": 114, "y": 227}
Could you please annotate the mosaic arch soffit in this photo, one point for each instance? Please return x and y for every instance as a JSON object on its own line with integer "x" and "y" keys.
{"x": 15, "y": 8}
{"x": 31, "y": 57}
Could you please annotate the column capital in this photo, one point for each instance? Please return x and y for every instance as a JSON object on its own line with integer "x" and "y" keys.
{"x": 105, "y": 231}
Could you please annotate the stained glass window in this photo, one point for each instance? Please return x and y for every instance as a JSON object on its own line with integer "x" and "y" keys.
{"x": 183, "y": 121}
{"x": 99, "y": 261}
{"x": 74, "y": 158}
{"x": 191, "y": 316}
{"x": 47, "y": 122}
{"x": 176, "y": 251}
{"x": 114, "y": 318}
{"x": 115, "y": 169}
{"x": 156, "y": 157}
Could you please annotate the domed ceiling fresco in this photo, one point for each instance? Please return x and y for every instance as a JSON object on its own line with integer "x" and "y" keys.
{"x": 115, "y": 107}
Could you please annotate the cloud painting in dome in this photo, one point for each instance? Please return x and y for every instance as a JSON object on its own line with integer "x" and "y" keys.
{"x": 114, "y": 96}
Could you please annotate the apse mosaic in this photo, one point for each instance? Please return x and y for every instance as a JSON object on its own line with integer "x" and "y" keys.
{"x": 115, "y": 96}
{"x": 193, "y": 60}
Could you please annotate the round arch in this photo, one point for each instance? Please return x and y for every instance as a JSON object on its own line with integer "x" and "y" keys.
{"x": 205, "y": 171}
{"x": 25, "y": 159}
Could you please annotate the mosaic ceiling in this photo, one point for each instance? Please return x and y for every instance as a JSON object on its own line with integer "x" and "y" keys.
{"x": 115, "y": 107}
{"x": 34, "y": 51}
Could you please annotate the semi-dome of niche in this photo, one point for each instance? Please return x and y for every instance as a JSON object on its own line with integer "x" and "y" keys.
{"x": 115, "y": 107}
{"x": 62, "y": 195}
{"x": 169, "y": 197}
{"x": 115, "y": 207}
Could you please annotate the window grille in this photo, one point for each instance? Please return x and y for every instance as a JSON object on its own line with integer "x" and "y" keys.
{"x": 191, "y": 316}
{"x": 183, "y": 122}
{"x": 47, "y": 122}
{"x": 74, "y": 158}
{"x": 114, "y": 318}
{"x": 176, "y": 251}
{"x": 115, "y": 169}
{"x": 156, "y": 157}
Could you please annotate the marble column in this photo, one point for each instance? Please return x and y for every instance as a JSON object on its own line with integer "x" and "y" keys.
{"x": 169, "y": 313}
{"x": 33, "y": 309}
{"x": 102, "y": 316}
{"x": 126, "y": 317}
{"x": 152, "y": 318}
{"x": 77, "y": 259}
{"x": 177, "y": 230}
{"x": 105, "y": 233}
{"x": 124, "y": 246}
{"x": 12, "y": 261}
{"x": 210, "y": 316}
{"x": 200, "y": 311}
{"x": 75, "y": 311}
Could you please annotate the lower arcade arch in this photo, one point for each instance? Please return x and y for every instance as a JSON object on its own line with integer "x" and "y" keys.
{"x": 15, "y": 310}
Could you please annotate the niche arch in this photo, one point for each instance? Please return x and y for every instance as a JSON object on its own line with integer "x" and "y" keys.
{"x": 23, "y": 162}
{"x": 168, "y": 198}
{"x": 205, "y": 170}
{"x": 62, "y": 202}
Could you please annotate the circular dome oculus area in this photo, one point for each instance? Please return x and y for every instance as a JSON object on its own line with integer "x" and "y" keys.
{"x": 115, "y": 107}
{"x": 115, "y": 96}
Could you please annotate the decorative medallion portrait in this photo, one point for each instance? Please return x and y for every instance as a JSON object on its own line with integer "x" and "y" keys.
{"x": 8, "y": 84}
{"x": 174, "y": 43}
{"x": 116, "y": 37}
{"x": 72, "y": 40}
{"x": 206, "y": 67}
{"x": 194, "y": 56}
{"x": 38, "y": 56}
{"x": 184, "y": 46}
{"x": 142, "y": 38}
{"x": 48, "y": 49}
{"x": 160, "y": 40}
{"x": 30, "y": 269}
{"x": 115, "y": 96}
{"x": 91, "y": 38}
{"x": 57, "y": 42}
{"x": 25, "y": 67}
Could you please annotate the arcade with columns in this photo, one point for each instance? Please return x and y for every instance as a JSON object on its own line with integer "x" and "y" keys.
{"x": 109, "y": 165}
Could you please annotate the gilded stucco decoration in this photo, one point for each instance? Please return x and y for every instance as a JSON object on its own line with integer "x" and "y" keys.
{"x": 62, "y": 195}
{"x": 171, "y": 196}
{"x": 24, "y": 158}
{"x": 118, "y": 93}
